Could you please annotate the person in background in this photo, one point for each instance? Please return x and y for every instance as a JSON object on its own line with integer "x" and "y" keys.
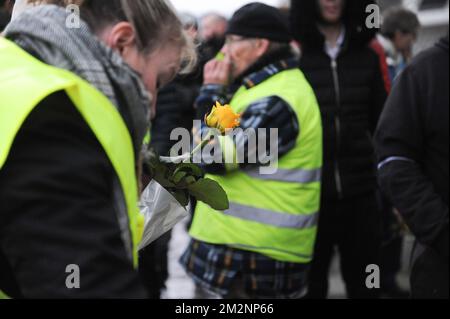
{"x": 70, "y": 146}
{"x": 175, "y": 105}
{"x": 398, "y": 34}
{"x": 261, "y": 247}
{"x": 213, "y": 27}
{"x": 212, "y": 35}
{"x": 190, "y": 24}
{"x": 174, "y": 109}
{"x": 346, "y": 76}
{"x": 412, "y": 142}
{"x": 6, "y": 7}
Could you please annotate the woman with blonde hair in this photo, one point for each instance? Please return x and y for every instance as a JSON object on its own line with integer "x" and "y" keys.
{"x": 76, "y": 96}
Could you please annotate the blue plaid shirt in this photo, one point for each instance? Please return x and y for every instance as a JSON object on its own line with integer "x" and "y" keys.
{"x": 216, "y": 267}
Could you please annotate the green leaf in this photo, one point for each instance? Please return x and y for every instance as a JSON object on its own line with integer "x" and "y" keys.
{"x": 211, "y": 193}
{"x": 177, "y": 177}
{"x": 190, "y": 180}
{"x": 190, "y": 169}
{"x": 161, "y": 176}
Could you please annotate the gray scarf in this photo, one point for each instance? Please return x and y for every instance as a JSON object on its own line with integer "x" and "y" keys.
{"x": 42, "y": 32}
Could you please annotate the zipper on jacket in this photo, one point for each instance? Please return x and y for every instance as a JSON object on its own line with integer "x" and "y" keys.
{"x": 337, "y": 122}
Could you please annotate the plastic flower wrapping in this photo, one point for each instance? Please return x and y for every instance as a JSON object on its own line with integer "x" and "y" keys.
{"x": 165, "y": 201}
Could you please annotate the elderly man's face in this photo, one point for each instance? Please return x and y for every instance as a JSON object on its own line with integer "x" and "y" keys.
{"x": 243, "y": 53}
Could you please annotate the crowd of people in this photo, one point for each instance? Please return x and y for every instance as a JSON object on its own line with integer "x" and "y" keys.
{"x": 362, "y": 148}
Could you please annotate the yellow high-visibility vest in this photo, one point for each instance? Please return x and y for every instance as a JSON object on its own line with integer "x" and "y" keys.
{"x": 26, "y": 81}
{"x": 276, "y": 214}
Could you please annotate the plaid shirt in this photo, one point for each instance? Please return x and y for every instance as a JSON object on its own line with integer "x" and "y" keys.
{"x": 212, "y": 93}
{"x": 216, "y": 267}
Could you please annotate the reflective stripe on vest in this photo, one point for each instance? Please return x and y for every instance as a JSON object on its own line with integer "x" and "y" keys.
{"x": 272, "y": 218}
{"x": 21, "y": 73}
{"x": 301, "y": 176}
{"x": 274, "y": 214}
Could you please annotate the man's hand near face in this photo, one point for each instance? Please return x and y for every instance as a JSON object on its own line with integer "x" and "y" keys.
{"x": 218, "y": 72}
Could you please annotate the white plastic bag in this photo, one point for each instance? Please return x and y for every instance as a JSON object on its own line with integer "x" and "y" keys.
{"x": 161, "y": 211}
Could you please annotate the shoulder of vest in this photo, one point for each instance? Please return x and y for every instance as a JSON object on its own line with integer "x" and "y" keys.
{"x": 18, "y": 66}
{"x": 22, "y": 72}
{"x": 286, "y": 80}
{"x": 269, "y": 104}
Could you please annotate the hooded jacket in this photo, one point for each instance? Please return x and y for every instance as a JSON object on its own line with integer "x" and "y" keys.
{"x": 351, "y": 93}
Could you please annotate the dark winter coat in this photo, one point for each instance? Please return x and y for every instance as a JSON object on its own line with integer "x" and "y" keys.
{"x": 57, "y": 208}
{"x": 174, "y": 109}
{"x": 351, "y": 93}
{"x": 412, "y": 143}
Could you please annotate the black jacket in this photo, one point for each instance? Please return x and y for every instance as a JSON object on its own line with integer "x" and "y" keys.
{"x": 57, "y": 209}
{"x": 174, "y": 109}
{"x": 412, "y": 143}
{"x": 350, "y": 93}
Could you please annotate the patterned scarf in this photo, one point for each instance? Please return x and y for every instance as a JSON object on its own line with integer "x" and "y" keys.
{"x": 42, "y": 32}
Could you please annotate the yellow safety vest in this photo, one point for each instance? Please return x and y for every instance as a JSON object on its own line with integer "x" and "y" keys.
{"x": 275, "y": 215}
{"x": 26, "y": 81}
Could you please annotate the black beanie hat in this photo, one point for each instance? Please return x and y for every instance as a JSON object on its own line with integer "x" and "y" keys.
{"x": 258, "y": 20}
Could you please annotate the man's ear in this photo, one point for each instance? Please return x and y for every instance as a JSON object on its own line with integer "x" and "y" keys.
{"x": 262, "y": 46}
{"x": 121, "y": 37}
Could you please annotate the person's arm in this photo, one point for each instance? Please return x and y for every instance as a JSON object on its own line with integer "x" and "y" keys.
{"x": 58, "y": 209}
{"x": 400, "y": 143}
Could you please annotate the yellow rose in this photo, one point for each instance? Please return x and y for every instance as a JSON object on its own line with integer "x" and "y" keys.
{"x": 222, "y": 118}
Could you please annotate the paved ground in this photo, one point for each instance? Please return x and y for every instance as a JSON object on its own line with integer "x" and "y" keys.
{"x": 179, "y": 286}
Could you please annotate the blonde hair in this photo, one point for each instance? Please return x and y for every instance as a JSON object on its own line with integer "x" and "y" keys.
{"x": 154, "y": 21}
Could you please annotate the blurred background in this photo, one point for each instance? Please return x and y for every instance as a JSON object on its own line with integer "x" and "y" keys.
{"x": 433, "y": 14}
{"x": 434, "y": 18}
{"x": 226, "y": 8}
